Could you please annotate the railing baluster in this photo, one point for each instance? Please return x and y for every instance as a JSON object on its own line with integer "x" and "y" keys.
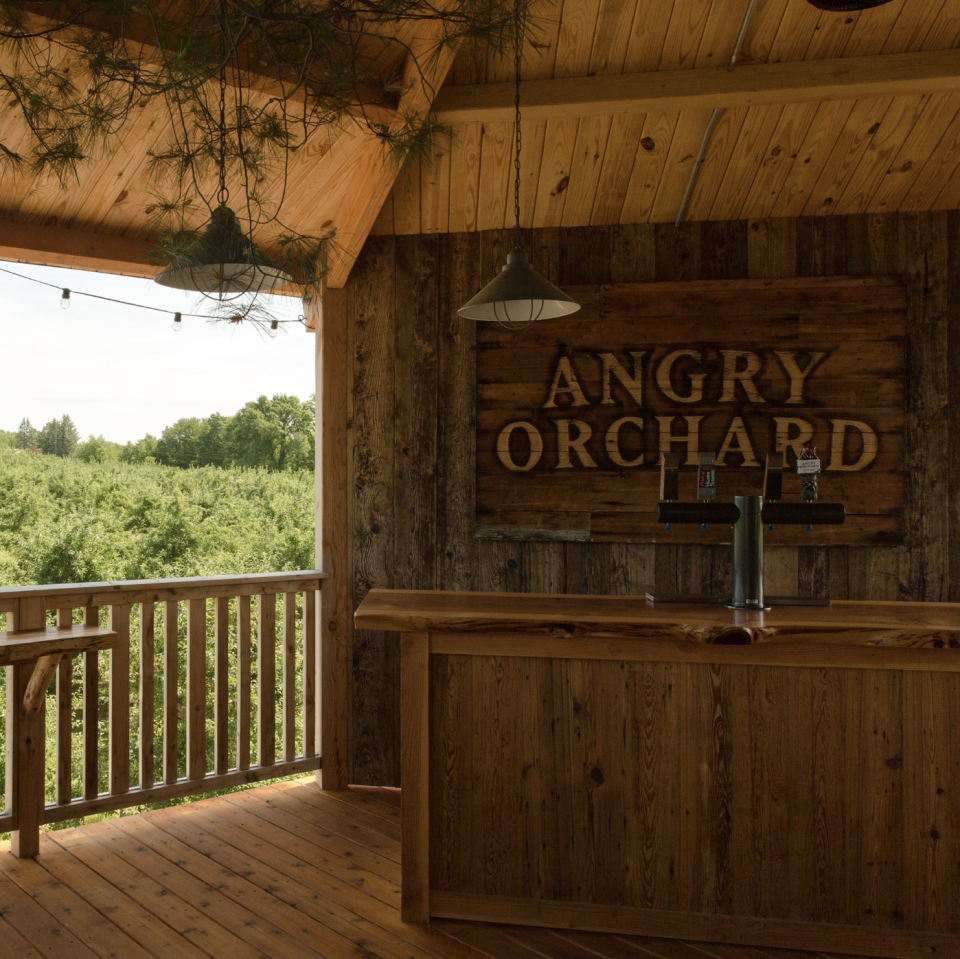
{"x": 119, "y": 703}
{"x": 289, "y": 676}
{"x": 170, "y": 612}
{"x": 64, "y": 788}
{"x": 196, "y": 688}
{"x": 221, "y": 684}
{"x": 147, "y": 667}
{"x": 243, "y": 682}
{"x": 309, "y": 673}
{"x": 91, "y": 712}
{"x": 267, "y": 679}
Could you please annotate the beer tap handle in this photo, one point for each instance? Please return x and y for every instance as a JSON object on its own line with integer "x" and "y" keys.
{"x": 773, "y": 478}
{"x": 669, "y": 476}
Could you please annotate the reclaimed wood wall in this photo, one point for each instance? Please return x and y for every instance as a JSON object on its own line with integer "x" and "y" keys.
{"x": 412, "y": 415}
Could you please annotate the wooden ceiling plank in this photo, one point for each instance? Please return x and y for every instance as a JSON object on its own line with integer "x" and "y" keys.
{"x": 540, "y": 47}
{"x": 647, "y": 35}
{"x": 649, "y": 162}
{"x": 435, "y": 193}
{"x": 559, "y": 141}
{"x": 374, "y": 174}
{"x": 908, "y": 162}
{"x": 797, "y": 28}
{"x": 945, "y": 30}
{"x": 778, "y": 160}
{"x": 720, "y": 33}
{"x": 827, "y": 126}
{"x": 716, "y": 163}
{"x": 900, "y": 120}
{"x": 936, "y": 172}
{"x": 949, "y": 196}
{"x": 832, "y": 35}
{"x": 593, "y": 137}
{"x": 533, "y": 133}
{"x": 406, "y": 200}
{"x": 748, "y": 155}
{"x": 578, "y": 27}
{"x": 669, "y": 91}
{"x": 617, "y": 163}
{"x": 865, "y": 121}
{"x": 762, "y": 31}
{"x": 496, "y": 153}
{"x": 612, "y": 36}
{"x": 871, "y": 33}
{"x": 684, "y": 34}
{"x": 910, "y": 29}
{"x": 383, "y": 225}
{"x": 465, "y": 177}
{"x": 676, "y": 171}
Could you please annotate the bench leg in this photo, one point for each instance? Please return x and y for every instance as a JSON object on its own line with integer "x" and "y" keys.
{"x": 27, "y": 745}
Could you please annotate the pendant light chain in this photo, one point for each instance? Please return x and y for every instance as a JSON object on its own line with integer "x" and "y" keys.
{"x": 223, "y": 194}
{"x": 518, "y": 56}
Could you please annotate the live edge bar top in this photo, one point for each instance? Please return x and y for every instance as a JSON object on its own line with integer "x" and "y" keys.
{"x": 849, "y": 633}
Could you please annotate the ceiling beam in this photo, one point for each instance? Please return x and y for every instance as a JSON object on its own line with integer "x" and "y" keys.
{"x": 895, "y": 74}
{"x": 375, "y": 170}
{"x": 74, "y": 249}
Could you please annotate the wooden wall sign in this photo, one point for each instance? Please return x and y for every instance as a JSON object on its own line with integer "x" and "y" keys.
{"x": 574, "y": 413}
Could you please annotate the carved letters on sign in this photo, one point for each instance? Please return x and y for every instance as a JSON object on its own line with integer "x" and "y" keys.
{"x": 573, "y": 414}
{"x": 738, "y": 369}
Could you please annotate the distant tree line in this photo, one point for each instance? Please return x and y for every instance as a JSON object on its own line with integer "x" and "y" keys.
{"x": 275, "y": 433}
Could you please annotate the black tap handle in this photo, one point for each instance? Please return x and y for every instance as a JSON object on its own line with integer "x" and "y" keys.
{"x": 721, "y": 514}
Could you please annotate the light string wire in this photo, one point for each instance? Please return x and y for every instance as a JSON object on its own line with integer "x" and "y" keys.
{"x": 110, "y": 299}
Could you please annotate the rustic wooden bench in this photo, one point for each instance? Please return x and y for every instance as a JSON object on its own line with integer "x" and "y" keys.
{"x": 46, "y": 647}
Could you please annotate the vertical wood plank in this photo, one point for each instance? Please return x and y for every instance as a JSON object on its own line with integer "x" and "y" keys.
{"x": 196, "y": 688}
{"x": 91, "y": 712}
{"x": 243, "y": 681}
{"x": 415, "y": 776}
{"x": 119, "y": 702}
{"x": 147, "y": 689}
{"x": 266, "y": 679}
{"x": 221, "y": 684}
{"x": 289, "y": 676}
{"x": 26, "y": 739}
{"x": 170, "y": 690}
{"x": 333, "y": 384}
{"x": 310, "y": 658}
{"x": 64, "y": 719}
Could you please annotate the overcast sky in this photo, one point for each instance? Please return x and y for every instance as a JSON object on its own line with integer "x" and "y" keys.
{"x": 123, "y": 372}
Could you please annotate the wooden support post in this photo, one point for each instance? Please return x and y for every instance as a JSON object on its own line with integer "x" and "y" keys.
{"x": 91, "y": 712}
{"x": 119, "y": 721}
{"x": 196, "y": 688}
{"x": 26, "y": 736}
{"x": 332, "y": 360}
{"x": 415, "y": 776}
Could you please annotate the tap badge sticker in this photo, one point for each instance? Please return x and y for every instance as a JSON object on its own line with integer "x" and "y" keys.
{"x": 808, "y": 466}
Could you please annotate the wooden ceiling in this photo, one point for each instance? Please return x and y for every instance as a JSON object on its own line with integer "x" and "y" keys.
{"x": 825, "y": 113}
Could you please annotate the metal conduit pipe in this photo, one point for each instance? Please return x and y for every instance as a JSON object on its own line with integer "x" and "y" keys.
{"x": 701, "y": 153}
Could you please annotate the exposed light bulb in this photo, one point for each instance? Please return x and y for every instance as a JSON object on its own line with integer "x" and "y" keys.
{"x": 274, "y": 328}
{"x": 177, "y": 322}
{"x": 65, "y": 300}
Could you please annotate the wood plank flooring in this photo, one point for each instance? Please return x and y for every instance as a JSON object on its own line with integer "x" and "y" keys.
{"x": 275, "y": 872}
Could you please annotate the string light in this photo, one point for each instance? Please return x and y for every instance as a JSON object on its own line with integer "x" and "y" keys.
{"x": 65, "y": 299}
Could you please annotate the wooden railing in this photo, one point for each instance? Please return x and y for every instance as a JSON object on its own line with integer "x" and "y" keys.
{"x": 190, "y": 702}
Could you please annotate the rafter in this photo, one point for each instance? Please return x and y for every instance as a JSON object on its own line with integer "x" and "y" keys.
{"x": 669, "y": 91}
{"x": 375, "y": 170}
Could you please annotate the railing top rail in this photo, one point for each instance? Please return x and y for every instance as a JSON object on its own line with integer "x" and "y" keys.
{"x": 160, "y": 590}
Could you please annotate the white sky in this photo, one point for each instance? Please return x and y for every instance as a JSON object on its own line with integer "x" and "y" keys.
{"x": 123, "y": 372}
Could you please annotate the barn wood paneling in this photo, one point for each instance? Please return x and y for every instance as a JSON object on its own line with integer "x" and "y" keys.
{"x": 412, "y": 411}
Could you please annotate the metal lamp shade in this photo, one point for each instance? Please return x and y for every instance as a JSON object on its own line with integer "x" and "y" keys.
{"x": 224, "y": 260}
{"x": 519, "y": 295}
{"x": 844, "y": 6}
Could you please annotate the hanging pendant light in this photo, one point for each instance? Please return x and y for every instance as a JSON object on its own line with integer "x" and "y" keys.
{"x": 519, "y": 296}
{"x": 845, "y": 6}
{"x": 223, "y": 260}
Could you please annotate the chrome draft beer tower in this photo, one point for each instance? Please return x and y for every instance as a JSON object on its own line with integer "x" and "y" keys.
{"x": 748, "y": 515}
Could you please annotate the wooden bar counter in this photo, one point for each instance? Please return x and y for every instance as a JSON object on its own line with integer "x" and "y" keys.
{"x": 788, "y": 778}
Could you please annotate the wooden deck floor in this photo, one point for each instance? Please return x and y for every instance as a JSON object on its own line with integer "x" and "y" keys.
{"x": 276, "y": 872}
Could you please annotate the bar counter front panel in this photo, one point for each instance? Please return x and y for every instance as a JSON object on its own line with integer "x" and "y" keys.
{"x": 783, "y": 779}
